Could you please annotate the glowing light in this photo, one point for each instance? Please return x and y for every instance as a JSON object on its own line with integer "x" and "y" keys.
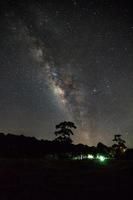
{"x": 90, "y": 156}
{"x": 101, "y": 158}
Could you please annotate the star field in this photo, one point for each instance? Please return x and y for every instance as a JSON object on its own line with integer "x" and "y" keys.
{"x": 67, "y": 61}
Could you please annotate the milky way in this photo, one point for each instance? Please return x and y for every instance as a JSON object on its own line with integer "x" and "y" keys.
{"x": 64, "y": 87}
{"x": 67, "y": 61}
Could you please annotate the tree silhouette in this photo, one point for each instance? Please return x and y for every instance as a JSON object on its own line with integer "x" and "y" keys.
{"x": 103, "y": 149}
{"x": 119, "y": 147}
{"x": 64, "y": 133}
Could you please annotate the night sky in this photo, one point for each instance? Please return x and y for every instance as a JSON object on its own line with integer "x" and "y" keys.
{"x": 68, "y": 61}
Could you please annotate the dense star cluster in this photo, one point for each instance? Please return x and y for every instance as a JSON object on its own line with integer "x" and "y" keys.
{"x": 69, "y": 60}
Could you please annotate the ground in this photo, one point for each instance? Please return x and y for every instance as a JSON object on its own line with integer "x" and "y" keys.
{"x": 30, "y": 179}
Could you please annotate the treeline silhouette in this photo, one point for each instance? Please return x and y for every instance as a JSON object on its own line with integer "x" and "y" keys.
{"x": 21, "y": 146}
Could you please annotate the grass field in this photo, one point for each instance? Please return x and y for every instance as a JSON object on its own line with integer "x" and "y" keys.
{"x": 64, "y": 179}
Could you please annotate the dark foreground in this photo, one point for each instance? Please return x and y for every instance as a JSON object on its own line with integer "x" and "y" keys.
{"x": 24, "y": 179}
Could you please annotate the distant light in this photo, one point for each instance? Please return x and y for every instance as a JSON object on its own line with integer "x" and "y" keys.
{"x": 90, "y": 156}
{"x": 101, "y": 158}
{"x": 81, "y": 157}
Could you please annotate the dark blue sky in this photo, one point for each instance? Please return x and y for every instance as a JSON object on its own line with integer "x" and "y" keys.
{"x": 67, "y": 61}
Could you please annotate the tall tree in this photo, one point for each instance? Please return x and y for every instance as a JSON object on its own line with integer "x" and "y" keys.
{"x": 64, "y": 131}
{"x": 119, "y": 147}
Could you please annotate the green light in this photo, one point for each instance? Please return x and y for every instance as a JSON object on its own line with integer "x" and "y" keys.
{"x": 101, "y": 158}
{"x": 90, "y": 156}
